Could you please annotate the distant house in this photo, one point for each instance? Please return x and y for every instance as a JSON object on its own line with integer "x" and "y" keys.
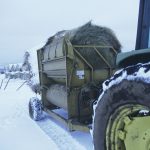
{"x": 14, "y": 67}
{"x": 19, "y": 67}
{"x": 18, "y": 70}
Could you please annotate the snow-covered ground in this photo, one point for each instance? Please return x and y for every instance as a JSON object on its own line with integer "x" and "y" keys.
{"x": 19, "y": 132}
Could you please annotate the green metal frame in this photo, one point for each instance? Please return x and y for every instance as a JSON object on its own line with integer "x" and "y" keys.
{"x": 71, "y": 124}
{"x": 73, "y": 84}
{"x": 98, "y": 54}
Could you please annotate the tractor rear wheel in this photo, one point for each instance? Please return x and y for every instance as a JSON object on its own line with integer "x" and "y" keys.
{"x": 117, "y": 103}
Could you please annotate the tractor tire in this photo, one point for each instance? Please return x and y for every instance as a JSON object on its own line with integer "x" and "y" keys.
{"x": 126, "y": 93}
{"x": 35, "y": 109}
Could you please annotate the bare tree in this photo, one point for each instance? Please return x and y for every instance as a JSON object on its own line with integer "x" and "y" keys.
{"x": 26, "y": 64}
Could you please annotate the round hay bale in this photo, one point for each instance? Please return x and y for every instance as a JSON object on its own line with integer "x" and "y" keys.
{"x": 90, "y": 34}
{"x": 94, "y": 35}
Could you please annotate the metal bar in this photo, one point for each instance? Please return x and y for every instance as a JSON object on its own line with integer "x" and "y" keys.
{"x": 69, "y": 54}
{"x": 76, "y": 126}
{"x": 72, "y": 126}
{"x": 70, "y": 79}
{"x": 57, "y": 117}
{"x": 85, "y": 62}
{"x": 114, "y": 50}
{"x": 21, "y": 85}
{"x": 97, "y": 46}
{"x": 7, "y": 84}
{"x": 102, "y": 57}
{"x": 56, "y": 48}
{"x": 60, "y": 58}
{"x": 55, "y": 70}
{"x": 49, "y": 52}
{"x": 143, "y": 25}
{"x": 57, "y": 76}
{"x": 1, "y": 83}
{"x": 140, "y": 23}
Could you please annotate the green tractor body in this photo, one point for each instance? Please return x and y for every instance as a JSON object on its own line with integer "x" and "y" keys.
{"x": 133, "y": 57}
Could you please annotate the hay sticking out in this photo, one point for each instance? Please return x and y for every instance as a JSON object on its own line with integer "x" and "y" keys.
{"x": 90, "y": 34}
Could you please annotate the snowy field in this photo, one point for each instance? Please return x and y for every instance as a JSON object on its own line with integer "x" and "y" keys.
{"x": 19, "y": 132}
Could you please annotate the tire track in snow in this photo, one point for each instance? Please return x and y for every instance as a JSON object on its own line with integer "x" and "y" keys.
{"x": 10, "y": 119}
{"x": 19, "y": 108}
{"x": 62, "y": 138}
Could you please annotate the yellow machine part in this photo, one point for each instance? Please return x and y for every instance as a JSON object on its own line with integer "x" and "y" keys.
{"x": 128, "y": 133}
{"x": 137, "y": 134}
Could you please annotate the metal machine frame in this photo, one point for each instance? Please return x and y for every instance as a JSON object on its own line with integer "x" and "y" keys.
{"x": 73, "y": 90}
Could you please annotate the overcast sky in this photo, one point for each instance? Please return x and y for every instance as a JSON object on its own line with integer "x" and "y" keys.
{"x": 26, "y": 23}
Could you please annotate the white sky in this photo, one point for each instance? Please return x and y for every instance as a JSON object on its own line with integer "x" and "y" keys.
{"x": 26, "y": 23}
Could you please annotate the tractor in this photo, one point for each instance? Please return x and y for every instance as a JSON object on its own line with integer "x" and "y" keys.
{"x": 84, "y": 75}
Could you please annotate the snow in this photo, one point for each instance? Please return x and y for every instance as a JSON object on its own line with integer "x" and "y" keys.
{"x": 145, "y": 112}
{"x": 140, "y": 74}
{"x": 19, "y": 132}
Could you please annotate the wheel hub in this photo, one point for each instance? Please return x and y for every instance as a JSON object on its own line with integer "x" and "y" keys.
{"x": 138, "y": 134}
{"x": 124, "y": 130}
